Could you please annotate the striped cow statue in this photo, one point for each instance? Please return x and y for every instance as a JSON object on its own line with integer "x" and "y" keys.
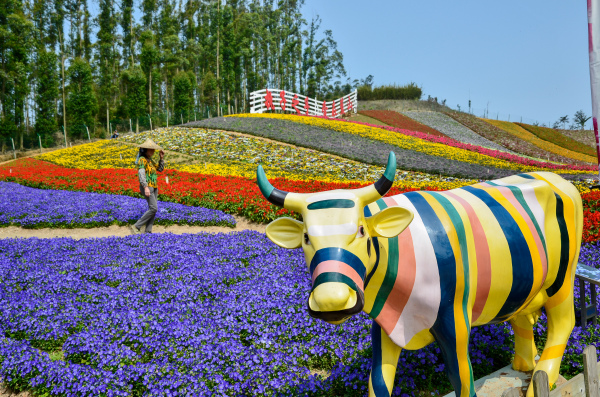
{"x": 427, "y": 266}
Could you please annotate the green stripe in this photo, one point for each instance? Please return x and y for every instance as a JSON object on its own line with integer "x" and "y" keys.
{"x": 390, "y": 274}
{"x": 336, "y": 203}
{"x": 519, "y": 195}
{"x": 334, "y": 277}
{"x": 459, "y": 226}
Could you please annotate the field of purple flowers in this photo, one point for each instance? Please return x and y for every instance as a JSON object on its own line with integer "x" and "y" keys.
{"x": 197, "y": 315}
{"x": 35, "y": 208}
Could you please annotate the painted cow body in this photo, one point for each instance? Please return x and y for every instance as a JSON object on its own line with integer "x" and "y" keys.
{"x": 430, "y": 265}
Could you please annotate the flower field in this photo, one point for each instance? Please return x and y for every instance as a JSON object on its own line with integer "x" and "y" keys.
{"x": 411, "y": 144}
{"x": 220, "y": 314}
{"x": 516, "y": 143}
{"x": 399, "y": 120}
{"x": 525, "y": 135}
{"x": 202, "y": 315}
{"x": 34, "y": 208}
{"x": 551, "y": 135}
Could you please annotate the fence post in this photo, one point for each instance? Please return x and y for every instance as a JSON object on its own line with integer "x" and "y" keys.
{"x": 88, "y": 132}
{"x": 512, "y": 392}
{"x": 590, "y": 371}
{"x": 130, "y": 129}
{"x": 40, "y": 139}
{"x": 541, "y": 385}
{"x": 13, "y": 145}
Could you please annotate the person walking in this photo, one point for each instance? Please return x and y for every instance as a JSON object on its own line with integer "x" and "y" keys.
{"x": 148, "y": 183}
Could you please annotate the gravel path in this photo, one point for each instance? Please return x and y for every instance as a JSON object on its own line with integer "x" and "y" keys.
{"x": 121, "y": 231}
{"x": 453, "y": 129}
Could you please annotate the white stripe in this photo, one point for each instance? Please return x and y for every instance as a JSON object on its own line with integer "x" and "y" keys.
{"x": 331, "y": 196}
{"x": 528, "y": 191}
{"x": 422, "y": 307}
{"x": 331, "y": 230}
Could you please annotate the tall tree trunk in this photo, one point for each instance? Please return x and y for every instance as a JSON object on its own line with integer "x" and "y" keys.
{"x": 150, "y": 93}
{"x": 218, "y": 42}
{"x": 64, "y": 98}
{"x": 167, "y": 97}
{"x": 137, "y": 125}
{"x": 107, "y": 118}
{"x": 228, "y": 103}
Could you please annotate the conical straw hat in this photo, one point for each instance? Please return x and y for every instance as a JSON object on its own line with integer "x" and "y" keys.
{"x": 149, "y": 144}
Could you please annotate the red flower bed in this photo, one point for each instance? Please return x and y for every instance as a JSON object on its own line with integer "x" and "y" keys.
{"x": 398, "y": 120}
{"x": 233, "y": 195}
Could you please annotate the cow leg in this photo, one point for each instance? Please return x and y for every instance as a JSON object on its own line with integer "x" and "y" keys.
{"x": 385, "y": 361}
{"x": 525, "y": 350}
{"x": 455, "y": 351}
{"x": 561, "y": 320}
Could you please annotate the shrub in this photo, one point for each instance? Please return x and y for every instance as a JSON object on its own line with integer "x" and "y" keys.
{"x": 409, "y": 91}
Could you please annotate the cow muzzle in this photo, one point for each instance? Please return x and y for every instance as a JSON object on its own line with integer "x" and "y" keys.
{"x": 335, "y": 302}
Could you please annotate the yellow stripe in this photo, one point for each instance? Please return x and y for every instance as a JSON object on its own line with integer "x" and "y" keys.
{"x": 500, "y": 258}
{"x": 553, "y": 352}
{"x": 522, "y": 332}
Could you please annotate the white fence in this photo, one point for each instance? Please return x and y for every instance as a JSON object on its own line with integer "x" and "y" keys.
{"x": 275, "y": 99}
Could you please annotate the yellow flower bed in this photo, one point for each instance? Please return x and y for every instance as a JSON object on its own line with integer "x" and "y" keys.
{"x": 116, "y": 154}
{"x": 522, "y": 133}
{"x": 406, "y": 142}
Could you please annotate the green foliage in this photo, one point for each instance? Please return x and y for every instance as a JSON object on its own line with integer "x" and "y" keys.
{"x": 182, "y": 95}
{"x": 135, "y": 98}
{"x": 82, "y": 105}
{"x": 409, "y": 91}
{"x": 46, "y": 92}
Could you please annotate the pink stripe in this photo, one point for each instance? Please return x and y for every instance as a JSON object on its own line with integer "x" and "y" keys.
{"x": 590, "y": 40}
{"x": 338, "y": 267}
{"x": 403, "y": 285}
{"x": 508, "y": 194}
{"x": 482, "y": 253}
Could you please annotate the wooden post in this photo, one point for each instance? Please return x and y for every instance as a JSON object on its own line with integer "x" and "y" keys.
{"x": 512, "y": 392}
{"x": 40, "y": 139}
{"x": 590, "y": 371}
{"x": 541, "y": 385}
{"x": 130, "y": 129}
{"x": 88, "y": 132}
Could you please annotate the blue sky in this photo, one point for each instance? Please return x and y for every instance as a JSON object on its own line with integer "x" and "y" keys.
{"x": 527, "y": 58}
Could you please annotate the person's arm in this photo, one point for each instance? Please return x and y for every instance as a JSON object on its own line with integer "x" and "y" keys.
{"x": 161, "y": 162}
{"x": 142, "y": 178}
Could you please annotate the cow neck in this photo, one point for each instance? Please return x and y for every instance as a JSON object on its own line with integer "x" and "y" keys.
{"x": 378, "y": 279}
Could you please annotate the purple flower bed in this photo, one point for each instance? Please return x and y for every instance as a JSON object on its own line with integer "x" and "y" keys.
{"x": 34, "y": 208}
{"x": 186, "y": 315}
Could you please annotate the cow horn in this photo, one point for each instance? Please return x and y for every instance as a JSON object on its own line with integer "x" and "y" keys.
{"x": 275, "y": 196}
{"x": 379, "y": 189}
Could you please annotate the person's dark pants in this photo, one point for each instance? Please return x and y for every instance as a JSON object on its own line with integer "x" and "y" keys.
{"x": 148, "y": 217}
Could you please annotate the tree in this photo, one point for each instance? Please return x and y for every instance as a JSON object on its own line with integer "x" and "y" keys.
{"x": 580, "y": 118}
{"x": 81, "y": 100}
{"x": 46, "y": 92}
{"x": 182, "y": 95}
{"x": 127, "y": 27}
{"x": 134, "y": 82}
{"x": 564, "y": 120}
{"x": 149, "y": 58}
{"x": 106, "y": 56}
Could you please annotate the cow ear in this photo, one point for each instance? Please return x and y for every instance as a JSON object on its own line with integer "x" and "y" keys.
{"x": 286, "y": 232}
{"x": 389, "y": 222}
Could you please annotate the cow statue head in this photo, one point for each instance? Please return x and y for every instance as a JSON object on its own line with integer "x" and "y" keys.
{"x": 336, "y": 238}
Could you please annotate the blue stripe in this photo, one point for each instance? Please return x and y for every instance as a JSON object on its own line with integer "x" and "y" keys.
{"x": 376, "y": 247}
{"x": 522, "y": 264}
{"x": 564, "y": 248}
{"x": 443, "y": 329}
{"x": 338, "y": 254}
{"x": 335, "y": 203}
{"x": 526, "y": 176}
{"x": 379, "y": 387}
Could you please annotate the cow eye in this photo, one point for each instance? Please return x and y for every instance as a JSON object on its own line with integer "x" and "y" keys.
{"x": 361, "y": 232}
{"x": 306, "y": 239}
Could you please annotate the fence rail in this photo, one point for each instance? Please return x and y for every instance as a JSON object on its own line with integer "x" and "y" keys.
{"x": 276, "y": 99}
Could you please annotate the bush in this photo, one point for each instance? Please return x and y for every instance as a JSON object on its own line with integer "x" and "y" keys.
{"x": 410, "y": 91}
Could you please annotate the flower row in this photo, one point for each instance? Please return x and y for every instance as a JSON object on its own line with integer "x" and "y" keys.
{"x": 518, "y": 131}
{"x": 515, "y": 142}
{"x": 401, "y": 121}
{"x": 437, "y": 146}
{"x": 35, "y": 208}
{"x": 552, "y": 135}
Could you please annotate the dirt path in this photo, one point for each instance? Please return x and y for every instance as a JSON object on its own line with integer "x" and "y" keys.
{"x": 121, "y": 231}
